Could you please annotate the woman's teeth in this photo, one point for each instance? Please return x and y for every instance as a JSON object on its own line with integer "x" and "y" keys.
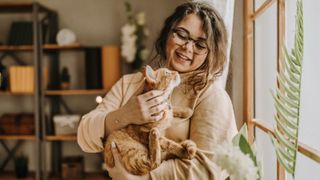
{"x": 183, "y": 57}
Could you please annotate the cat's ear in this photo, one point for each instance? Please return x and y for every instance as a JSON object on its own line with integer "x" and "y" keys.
{"x": 149, "y": 74}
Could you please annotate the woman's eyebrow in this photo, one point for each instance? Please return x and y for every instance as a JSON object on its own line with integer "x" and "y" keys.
{"x": 199, "y": 38}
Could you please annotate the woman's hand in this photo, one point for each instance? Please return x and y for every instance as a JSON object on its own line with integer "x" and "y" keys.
{"x": 144, "y": 108}
{"x": 118, "y": 171}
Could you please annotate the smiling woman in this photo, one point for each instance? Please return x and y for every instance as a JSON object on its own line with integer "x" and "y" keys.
{"x": 193, "y": 43}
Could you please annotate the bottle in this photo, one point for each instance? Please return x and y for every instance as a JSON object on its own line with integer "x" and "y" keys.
{"x": 65, "y": 79}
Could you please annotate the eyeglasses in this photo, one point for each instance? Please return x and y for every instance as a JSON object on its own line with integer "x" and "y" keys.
{"x": 181, "y": 37}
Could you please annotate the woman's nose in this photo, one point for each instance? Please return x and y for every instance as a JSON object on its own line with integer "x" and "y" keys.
{"x": 188, "y": 46}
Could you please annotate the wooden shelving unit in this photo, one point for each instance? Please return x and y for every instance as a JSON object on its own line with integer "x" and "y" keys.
{"x": 54, "y": 98}
{"x": 8, "y": 93}
{"x": 11, "y": 176}
{"x": 60, "y": 92}
{"x": 45, "y": 47}
{"x": 76, "y": 92}
{"x": 17, "y": 137}
{"x": 31, "y": 176}
{"x": 61, "y": 138}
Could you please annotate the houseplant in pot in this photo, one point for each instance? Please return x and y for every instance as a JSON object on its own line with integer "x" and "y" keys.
{"x": 21, "y": 166}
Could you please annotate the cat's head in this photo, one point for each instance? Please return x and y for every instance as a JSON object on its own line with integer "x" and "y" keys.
{"x": 161, "y": 79}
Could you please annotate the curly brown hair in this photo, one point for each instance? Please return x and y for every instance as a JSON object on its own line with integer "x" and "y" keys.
{"x": 215, "y": 30}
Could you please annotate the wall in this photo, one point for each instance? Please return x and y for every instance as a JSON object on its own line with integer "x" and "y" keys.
{"x": 236, "y": 66}
{"x": 95, "y": 22}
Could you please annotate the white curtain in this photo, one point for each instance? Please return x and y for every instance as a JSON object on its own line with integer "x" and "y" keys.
{"x": 226, "y": 10}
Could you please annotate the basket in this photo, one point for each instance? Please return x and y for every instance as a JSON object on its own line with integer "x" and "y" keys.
{"x": 66, "y": 124}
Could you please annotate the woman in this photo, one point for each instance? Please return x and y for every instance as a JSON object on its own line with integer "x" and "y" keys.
{"x": 192, "y": 42}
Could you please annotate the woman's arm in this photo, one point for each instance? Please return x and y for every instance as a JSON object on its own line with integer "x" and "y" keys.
{"x": 111, "y": 114}
{"x": 92, "y": 127}
{"x": 212, "y": 123}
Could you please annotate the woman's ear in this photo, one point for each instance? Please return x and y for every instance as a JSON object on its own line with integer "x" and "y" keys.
{"x": 150, "y": 75}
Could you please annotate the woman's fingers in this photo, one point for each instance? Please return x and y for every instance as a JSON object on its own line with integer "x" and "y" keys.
{"x": 157, "y": 117}
{"x": 115, "y": 153}
{"x": 150, "y": 95}
{"x": 159, "y": 108}
{"x": 155, "y": 101}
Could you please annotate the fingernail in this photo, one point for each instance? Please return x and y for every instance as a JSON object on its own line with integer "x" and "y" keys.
{"x": 113, "y": 145}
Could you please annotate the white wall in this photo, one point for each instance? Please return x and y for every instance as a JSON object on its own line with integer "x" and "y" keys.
{"x": 95, "y": 22}
{"x": 265, "y": 80}
{"x": 309, "y": 124}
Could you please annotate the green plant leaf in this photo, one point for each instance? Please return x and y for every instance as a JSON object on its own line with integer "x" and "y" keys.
{"x": 246, "y": 149}
{"x": 287, "y": 100}
{"x": 290, "y": 102}
{"x": 280, "y": 157}
{"x": 243, "y": 131}
{"x": 283, "y": 127}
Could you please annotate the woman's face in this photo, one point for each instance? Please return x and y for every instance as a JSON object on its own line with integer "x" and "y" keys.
{"x": 186, "y": 48}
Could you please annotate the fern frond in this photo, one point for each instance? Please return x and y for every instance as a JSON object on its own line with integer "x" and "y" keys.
{"x": 287, "y": 100}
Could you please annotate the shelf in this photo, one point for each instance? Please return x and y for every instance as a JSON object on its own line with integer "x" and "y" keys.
{"x": 17, "y": 137}
{"x": 24, "y": 7}
{"x": 87, "y": 176}
{"x": 60, "y": 92}
{"x": 46, "y": 47}
{"x": 61, "y": 138}
{"x": 11, "y": 176}
{"x": 76, "y": 92}
{"x": 8, "y": 93}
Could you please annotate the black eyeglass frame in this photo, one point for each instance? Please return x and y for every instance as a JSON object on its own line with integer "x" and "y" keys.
{"x": 187, "y": 40}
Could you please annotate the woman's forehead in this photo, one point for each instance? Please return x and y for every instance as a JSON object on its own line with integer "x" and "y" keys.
{"x": 193, "y": 24}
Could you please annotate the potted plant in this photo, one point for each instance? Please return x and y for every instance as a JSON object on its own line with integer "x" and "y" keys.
{"x": 21, "y": 166}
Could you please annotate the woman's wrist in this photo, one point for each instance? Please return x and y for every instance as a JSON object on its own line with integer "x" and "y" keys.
{"x": 114, "y": 121}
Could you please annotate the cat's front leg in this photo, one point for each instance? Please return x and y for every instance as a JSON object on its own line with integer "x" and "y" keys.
{"x": 190, "y": 147}
{"x": 184, "y": 150}
{"x": 154, "y": 148}
{"x": 108, "y": 157}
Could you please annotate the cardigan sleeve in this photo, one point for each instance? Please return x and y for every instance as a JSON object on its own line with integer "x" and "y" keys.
{"x": 212, "y": 123}
{"x": 91, "y": 130}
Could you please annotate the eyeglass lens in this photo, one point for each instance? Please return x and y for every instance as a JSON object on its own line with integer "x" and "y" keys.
{"x": 182, "y": 38}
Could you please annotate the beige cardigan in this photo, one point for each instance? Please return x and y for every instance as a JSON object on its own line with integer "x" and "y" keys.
{"x": 212, "y": 123}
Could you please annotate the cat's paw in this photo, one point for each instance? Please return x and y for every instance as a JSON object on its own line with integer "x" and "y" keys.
{"x": 190, "y": 147}
{"x": 154, "y": 133}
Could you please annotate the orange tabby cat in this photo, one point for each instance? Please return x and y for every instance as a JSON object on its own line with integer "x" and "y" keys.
{"x": 141, "y": 147}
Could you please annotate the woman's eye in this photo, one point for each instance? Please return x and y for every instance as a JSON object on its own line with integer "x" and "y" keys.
{"x": 183, "y": 35}
{"x": 201, "y": 45}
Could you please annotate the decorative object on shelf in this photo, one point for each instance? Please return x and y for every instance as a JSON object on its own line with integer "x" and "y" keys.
{"x": 72, "y": 167}
{"x": 287, "y": 99}
{"x": 110, "y": 66}
{"x": 239, "y": 158}
{"x": 93, "y": 68}
{"x": 3, "y": 77}
{"x": 66, "y": 124}
{"x": 21, "y": 33}
{"x": 65, "y": 79}
{"x": 66, "y": 37}
{"x": 134, "y": 35}
{"x": 21, "y": 166}
{"x": 17, "y": 124}
{"x": 21, "y": 79}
